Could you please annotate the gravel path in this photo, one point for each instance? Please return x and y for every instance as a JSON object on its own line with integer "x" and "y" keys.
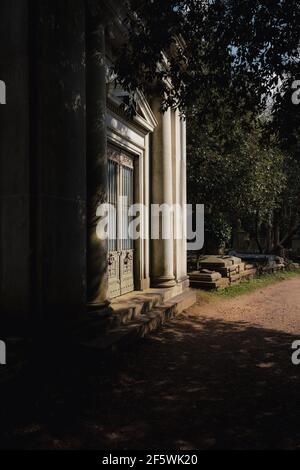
{"x": 221, "y": 377}
{"x": 276, "y": 306}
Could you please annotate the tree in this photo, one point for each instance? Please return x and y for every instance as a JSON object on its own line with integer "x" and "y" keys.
{"x": 234, "y": 59}
{"x": 285, "y": 123}
{"x": 238, "y": 178}
{"x": 236, "y": 46}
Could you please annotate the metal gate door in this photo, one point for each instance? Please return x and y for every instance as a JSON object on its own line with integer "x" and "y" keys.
{"x": 120, "y": 246}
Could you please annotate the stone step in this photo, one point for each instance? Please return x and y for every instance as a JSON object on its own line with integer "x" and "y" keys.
{"x": 128, "y": 310}
{"x": 181, "y": 302}
{"x": 118, "y": 337}
{"x": 122, "y": 311}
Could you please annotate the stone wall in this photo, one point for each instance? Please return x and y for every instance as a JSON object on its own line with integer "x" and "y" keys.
{"x": 43, "y": 163}
{"x": 15, "y": 252}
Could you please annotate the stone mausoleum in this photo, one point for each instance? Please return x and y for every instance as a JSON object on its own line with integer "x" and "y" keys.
{"x": 67, "y": 146}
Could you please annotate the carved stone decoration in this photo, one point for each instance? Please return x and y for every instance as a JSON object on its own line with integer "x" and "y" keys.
{"x": 114, "y": 282}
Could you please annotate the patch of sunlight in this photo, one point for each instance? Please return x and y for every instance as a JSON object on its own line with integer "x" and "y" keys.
{"x": 266, "y": 365}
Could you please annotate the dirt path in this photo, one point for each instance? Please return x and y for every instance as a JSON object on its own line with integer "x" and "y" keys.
{"x": 276, "y": 306}
{"x": 219, "y": 378}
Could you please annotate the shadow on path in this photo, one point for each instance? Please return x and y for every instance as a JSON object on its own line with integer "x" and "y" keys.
{"x": 200, "y": 383}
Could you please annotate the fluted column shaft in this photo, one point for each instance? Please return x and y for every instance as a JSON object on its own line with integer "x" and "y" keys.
{"x": 162, "y": 269}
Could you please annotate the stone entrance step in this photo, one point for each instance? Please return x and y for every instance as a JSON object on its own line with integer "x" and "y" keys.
{"x": 144, "y": 314}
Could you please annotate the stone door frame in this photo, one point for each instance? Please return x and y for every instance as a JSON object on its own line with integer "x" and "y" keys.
{"x": 132, "y": 137}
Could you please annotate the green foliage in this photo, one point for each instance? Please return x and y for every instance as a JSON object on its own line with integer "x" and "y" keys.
{"x": 241, "y": 48}
{"x": 285, "y": 120}
{"x": 285, "y": 124}
{"x": 240, "y": 176}
{"x": 227, "y": 60}
{"x": 217, "y": 229}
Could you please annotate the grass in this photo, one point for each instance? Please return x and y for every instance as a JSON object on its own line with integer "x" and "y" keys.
{"x": 245, "y": 287}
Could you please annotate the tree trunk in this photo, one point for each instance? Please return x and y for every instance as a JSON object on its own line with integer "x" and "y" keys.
{"x": 257, "y": 232}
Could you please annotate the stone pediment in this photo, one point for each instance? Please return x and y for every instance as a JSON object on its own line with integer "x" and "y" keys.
{"x": 145, "y": 114}
{"x": 144, "y": 118}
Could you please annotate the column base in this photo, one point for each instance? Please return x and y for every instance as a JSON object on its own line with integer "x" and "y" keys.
{"x": 164, "y": 281}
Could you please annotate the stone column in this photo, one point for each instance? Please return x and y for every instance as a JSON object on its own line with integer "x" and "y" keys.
{"x": 162, "y": 270}
{"x": 97, "y": 162}
{"x": 58, "y": 162}
{"x": 180, "y": 214}
{"x": 147, "y": 213}
{"x": 14, "y": 163}
{"x": 183, "y": 173}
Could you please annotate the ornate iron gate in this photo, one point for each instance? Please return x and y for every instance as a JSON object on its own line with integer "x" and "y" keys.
{"x": 120, "y": 246}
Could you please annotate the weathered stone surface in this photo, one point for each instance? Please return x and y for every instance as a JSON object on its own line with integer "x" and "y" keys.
{"x": 249, "y": 266}
{"x": 235, "y": 260}
{"x": 212, "y": 260}
{"x": 219, "y": 263}
{"x": 235, "y": 278}
{"x": 242, "y": 267}
{"x": 205, "y": 275}
{"x": 295, "y": 265}
{"x": 249, "y": 274}
{"x": 205, "y": 285}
